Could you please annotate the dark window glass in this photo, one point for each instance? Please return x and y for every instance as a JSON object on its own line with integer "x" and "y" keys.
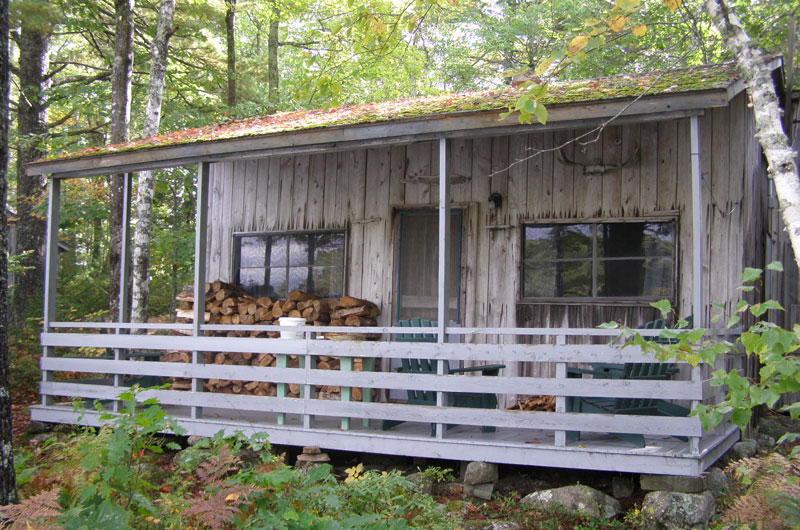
{"x": 599, "y": 260}
{"x": 274, "y": 264}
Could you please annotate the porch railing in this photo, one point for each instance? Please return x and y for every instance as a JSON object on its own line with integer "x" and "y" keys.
{"x": 696, "y": 389}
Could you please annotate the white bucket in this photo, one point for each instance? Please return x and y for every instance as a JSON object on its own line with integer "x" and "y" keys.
{"x": 292, "y": 321}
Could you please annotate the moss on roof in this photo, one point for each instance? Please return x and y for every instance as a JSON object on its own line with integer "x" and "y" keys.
{"x": 681, "y": 80}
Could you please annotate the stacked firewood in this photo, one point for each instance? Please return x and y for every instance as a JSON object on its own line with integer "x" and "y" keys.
{"x": 542, "y": 403}
{"x": 228, "y": 304}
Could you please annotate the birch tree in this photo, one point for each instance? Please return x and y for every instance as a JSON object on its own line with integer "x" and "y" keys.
{"x": 782, "y": 167}
{"x": 140, "y": 295}
{"x": 120, "y": 119}
{"x": 8, "y": 490}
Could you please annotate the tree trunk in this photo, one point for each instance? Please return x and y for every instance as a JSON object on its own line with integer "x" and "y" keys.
{"x": 120, "y": 120}
{"x": 230, "y": 15}
{"x": 272, "y": 57}
{"x": 31, "y": 129}
{"x": 782, "y": 168}
{"x": 140, "y": 292}
{"x": 8, "y": 489}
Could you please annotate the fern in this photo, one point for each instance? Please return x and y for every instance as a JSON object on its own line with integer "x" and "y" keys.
{"x": 38, "y": 512}
{"x": 215, "y": 511}
{"x": 217, "y": 466}
{"x": 769, "y": 498}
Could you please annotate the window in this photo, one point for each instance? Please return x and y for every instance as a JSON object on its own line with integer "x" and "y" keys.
{"x": 631, "y": 260}
{"x": 275, "y": 264}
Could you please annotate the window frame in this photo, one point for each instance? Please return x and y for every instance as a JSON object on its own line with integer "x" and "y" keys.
{"x": 595, "y": 260}
{"x": 237, "y": 237}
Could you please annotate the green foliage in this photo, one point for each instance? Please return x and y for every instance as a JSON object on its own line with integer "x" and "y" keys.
{"x": 773, "y": 347}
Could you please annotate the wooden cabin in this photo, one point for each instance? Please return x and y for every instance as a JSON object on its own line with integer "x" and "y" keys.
{"x": 638, "y": 188}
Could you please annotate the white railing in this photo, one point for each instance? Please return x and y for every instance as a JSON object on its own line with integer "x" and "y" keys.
{"x": 560, "y": 421}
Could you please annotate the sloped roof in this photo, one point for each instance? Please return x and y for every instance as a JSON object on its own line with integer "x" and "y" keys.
{"x": 615, "y": 87}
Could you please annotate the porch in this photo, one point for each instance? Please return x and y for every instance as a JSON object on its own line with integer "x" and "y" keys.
{"x": 535, "y": 438}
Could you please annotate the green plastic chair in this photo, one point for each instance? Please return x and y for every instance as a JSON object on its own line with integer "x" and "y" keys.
{"x": 428, "y": 366}
{"x": 633, "y": 406}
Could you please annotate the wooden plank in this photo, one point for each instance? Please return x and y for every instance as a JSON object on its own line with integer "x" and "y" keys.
{"x": 274, "y": 197}
{"x": 517, "y": 177}
{"x": 463, "y": 416}
{"x": 215, "y": 200}
{"x": 446, "y": 383}
{"x": 237, "y": 196}
{"x": 705, "y": 123}
{"x": 648, "y": 188}
{"x": 397, "y": 170}
{"x": 300, "y": 192}
{"x": 356, "y": 198}
{"x": 262, "y": 195}
{"x": 481, "y": 188}
{"x": 612, "y": 179}
{"x": 563, "y": 175}
{"x": 250, "y": 195}
{"x": 224, "y": 268}
{"x": 418, "y": 163}
{"x": 667, "y": 164}
{"x": 329, "y": 202}
{"x": 285, "y": 206}
{"x": 375, "y": 258}
{"x": 591, "y": 353}
{"x": 720, "y": 182}
{"x": 631, "y": 148}
{"x": 461, "y": 164}
{"x": 315, "y": 214}
{"x": 540, "y": 176}
{"x": 735, "y": 200}
{"x": 684, "y": 235}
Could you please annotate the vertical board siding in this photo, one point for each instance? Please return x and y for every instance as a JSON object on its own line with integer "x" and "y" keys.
{"x": 646, "y": 171}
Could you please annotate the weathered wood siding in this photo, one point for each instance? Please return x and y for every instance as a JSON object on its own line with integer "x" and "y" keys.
{"x": 360, "y": 191}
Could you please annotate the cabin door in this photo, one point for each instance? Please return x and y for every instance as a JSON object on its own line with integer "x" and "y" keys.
{"x": 418, "y": 264}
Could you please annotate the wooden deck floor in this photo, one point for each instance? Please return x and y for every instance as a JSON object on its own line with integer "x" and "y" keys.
{"x": 596, "y": 451}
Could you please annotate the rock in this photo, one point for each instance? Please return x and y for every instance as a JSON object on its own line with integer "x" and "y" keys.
{"x": 764, "y": 441}
{"x": 777, "y": 426}
{"x": 579, "y": 498}
{"x": 311, "y": 450}
{"x": 152, "y": 473}
{"x": 423, "y": 483}
{"x": 491, "y": 525}
{"x": 315, "y": 458}
{"x": 672, "y": 483}
{"x": 189, "y": 457}
{"x": 39, "y": 439}
{"x": 481, "y": 491}
{"x": 192, "y": 440}
{"x": 455, "y": 508}
{"x": 744, "y": 449}
{"x": 480, "y": 473}
{"x": 672, "y": 510}
{"x": 622, "y": 487}
{"x": 716, "y": 480}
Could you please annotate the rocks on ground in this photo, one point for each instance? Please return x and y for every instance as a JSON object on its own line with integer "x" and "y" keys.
{"x": 576, "y": 499}
{"x": 671, "y": 510}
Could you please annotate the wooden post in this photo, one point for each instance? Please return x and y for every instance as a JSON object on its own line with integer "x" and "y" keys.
{"x": 698, "y": 232}
{"x": 698, "y": 235}
{"x": 444, "y": 266}
{"x": 561, "y": 401}
{"x": 200, "y": 240}
{"x": 51, "y": 273}
{"x": 123, "y": 317}
{"x": 307, "y": 362}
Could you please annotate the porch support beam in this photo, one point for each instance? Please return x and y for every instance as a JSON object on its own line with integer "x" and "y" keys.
{"x": 123, "y": 316}
{"x": 443, "y": 307}
{"x": 200, "y": 240}
{"x": 51, "y": 273}
{"x": 698, "y": 230}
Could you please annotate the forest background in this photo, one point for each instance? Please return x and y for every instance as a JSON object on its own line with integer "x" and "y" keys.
{"x": 231, "y": 59}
